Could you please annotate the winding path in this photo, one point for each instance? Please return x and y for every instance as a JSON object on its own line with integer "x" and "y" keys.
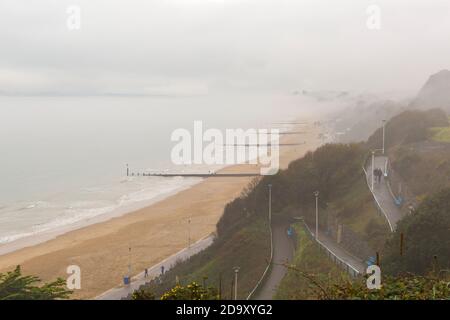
{"x": 382, "y": 193}
{"x": 283, "y": 248}
{"x": 283, "y": 252}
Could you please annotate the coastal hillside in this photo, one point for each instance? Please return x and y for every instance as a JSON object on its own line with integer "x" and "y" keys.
{"x": 435, "y": 93}
{"x": 346, "y": 204}
{"x": 243, "y": 234}
{"x": 418, "y": 152}
{"x": 410, "y": 126}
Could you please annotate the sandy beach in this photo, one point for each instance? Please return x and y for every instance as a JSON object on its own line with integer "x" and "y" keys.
{"x": 153, "y": 233}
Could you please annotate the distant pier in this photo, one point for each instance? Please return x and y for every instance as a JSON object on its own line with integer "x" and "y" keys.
{"x": 263, "y": 145}
{"x": 289, "y": 122}
{"x": 292, "y": 132}
{"x": 197, "y": 175}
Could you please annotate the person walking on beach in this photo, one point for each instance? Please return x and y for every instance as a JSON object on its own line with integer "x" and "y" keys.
{"x": 145, "y": 273}
{"x": 162, "y": 270}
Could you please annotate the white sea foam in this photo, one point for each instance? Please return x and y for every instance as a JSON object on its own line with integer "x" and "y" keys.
{"x": 139, "y": 193}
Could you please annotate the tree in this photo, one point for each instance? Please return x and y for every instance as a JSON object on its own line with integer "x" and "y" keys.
{"x": 142, "y": 294}
{"x": 192, "y": 291}
{"x": 426, "y": 238}
{"x": 14, "y": 286}
{"x": 406, "y": 287}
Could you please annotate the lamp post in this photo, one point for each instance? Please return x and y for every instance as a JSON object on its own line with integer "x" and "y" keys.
{"x": 236, "y": 271}
{"x": 316, "y": 194}
{"x": 384, "y": 134}
{"x": 373, "y": 166}
{"x": 189, "y": 233}
{"x": 270, "y": 204}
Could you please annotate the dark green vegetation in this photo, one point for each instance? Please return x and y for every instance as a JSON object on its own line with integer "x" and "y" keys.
{"x": 15, "y": 286}
{"x": 426, "y": 238}
{"x": 406, "y": 287}
{"x": 192, "y": 291}
{"x": 312, "y": 275}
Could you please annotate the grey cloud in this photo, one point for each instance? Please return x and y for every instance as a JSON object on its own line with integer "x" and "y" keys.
{"x": 195, "y": 46}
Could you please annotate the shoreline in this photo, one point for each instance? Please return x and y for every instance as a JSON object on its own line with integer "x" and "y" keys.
{"x": 154, "y": 232}
{"x": 48, "y": 235}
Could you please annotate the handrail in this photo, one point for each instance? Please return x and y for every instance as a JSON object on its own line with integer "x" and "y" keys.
{"x": 377, "y": 202}
{"x": 331, "y": 251}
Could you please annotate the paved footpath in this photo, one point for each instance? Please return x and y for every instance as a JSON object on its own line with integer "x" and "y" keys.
{"x": 343, "y": 255}
{"x": 123, "y": 291}
{"x": 283, "y": 252}
{"x": 382, "y": 194}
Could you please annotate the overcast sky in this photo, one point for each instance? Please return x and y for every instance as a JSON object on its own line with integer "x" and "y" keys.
{"x": 204, "y": 46}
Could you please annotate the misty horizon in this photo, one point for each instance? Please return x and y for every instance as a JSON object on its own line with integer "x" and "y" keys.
{"x": 199, "y": 47}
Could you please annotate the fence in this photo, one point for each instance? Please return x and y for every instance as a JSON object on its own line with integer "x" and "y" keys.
{"x": 341, "y": 263}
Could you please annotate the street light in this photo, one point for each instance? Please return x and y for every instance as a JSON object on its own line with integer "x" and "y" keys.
{"x": 373, "y": 166}
{"x": 236, "y": 271}
{"x": 384, "y": 135}
{"x": 316, "y": 194}
{"x": 270, "y": 204}
{"x": 189, "y": 233}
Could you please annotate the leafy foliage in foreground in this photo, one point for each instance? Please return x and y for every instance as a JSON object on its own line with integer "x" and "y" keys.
{"x": 143, "y": 294}
{"x": 192, "y": 291}
{"x": 407, "y": 287}
{"x": 313, "y": 276}
{"x": 15, "y": 286}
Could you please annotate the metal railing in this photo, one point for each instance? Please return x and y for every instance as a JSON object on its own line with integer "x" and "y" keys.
{"x": 353, "y": 271}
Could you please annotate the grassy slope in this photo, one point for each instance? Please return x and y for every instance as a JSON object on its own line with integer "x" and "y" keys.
{"x": 247, "y": 248}
{"x": 441, "y": 134}
{"x": 357, "y": 211}
{"x": 423, "y": 171}
{"x": 310, "y": 260}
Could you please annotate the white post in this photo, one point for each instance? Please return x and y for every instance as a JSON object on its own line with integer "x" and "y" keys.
{"x": 384, "y": 135}
{"x": 189, "y": 233}
{"x": 236, "y": 271}
{"x": 373, "y": 167}
{"x": 316, "y": 194}
{"x": 270, "y": 205}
